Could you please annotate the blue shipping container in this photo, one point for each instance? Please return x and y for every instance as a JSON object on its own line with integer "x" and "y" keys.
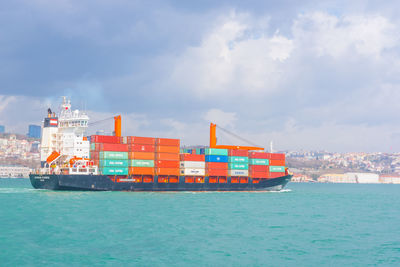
{"x": 216, "y": 158}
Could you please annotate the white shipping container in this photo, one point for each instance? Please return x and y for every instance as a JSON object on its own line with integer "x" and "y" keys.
{"x": 193, "y": 164}
{"x": 193, "y": 171}
{"x": 238, "y": 172}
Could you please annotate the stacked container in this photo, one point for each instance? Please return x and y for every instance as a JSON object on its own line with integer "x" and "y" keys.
{"x": 238, "y": 165}
{"x": 216, "y": 164}
{"x": 167, "y": 159}
{"x": 193, "y": 167}
{"x": 109, "y": 154}
{"x": 259, "y": 165}
{"x": 276, "y": 165}
{"x": 141, "y": 156}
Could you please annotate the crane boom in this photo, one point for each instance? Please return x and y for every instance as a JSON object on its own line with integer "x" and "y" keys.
{"x": 213, "y": 141}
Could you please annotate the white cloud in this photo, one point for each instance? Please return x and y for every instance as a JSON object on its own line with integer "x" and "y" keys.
{"x": 221, "y": 118}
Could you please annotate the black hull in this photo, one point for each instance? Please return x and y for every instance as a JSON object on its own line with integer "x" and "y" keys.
{"x": 104, "y": 183}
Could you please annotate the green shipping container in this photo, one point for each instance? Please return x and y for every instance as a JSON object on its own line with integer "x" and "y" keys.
{"x": 238, "y": 166}
{"x": 92, "y": 146}
{"x": 114, "y": 171}
{"x": 216, "y": 151}
{"x": 113, "y": 163}
{"x": 238, "y": 159}
{"x": 113, "y": 155}
{"x": 276, "y": 168}
{"x": 259, "y": 162}
{"x": 141, "y": 163}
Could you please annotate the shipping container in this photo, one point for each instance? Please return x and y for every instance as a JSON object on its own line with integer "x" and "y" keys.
{"x": 105, "y": 139}
{"x": 114, "y": 147}
{"x": 167, "y": 171}
{"x": 259, "y": 168}
{"x": 238, "y": 172}
{"x": 259, "y": 175}
{"x": 192, "y": 171}
{"x": 192, "y": 157}
{"x": 167, "y": 156}
{"x": 114, "y": 171}
{"x": 142, "y": 148}
{"x": 217, "y": 172}
{"x": 141, "y": 140}
{"x": 167, "y": 149}
{"x": 236, "y": 159}
{"x": 215, "y": 158}
{"x": 277, "y": 162}
{"x": 141, "y": 171}
{"x": 141, "y": 163}
{"x": 216, "y": 152}
{"x": 277, "y": 169}
{"x": 258, "y": 161}
{"x": 142, "y": 155}
{"x": 217, "y": 165}
{"x": 113, "y": 155}
{"x": 167, "y": 164}
{"x": 193, "y": 164}
{"x": 259, "y": 155}
{"x": 277, "y": 156}
{"x": 238, "y": 166}
{"x": 113, "y": 163}
{"x": 167, "y": 142}
{"x": 238, "y": 153}
{"x": 276, "y": 174}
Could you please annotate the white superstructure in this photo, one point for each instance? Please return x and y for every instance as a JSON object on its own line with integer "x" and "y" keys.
{"x": 64, "y": 143}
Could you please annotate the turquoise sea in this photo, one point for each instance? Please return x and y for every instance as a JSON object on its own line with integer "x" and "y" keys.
{"x": 306, "y": 225}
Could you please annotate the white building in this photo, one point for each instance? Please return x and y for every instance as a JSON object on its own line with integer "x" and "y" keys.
{"x": 14, "y": 172}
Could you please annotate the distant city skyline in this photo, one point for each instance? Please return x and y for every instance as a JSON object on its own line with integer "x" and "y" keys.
{"x": 305, "y": 75}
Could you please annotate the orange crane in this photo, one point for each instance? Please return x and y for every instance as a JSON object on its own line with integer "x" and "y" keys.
{"x": 117, "y": 124}
{"x": 213, "y": 140}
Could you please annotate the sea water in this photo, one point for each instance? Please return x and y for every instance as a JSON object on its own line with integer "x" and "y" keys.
{"x": 305, "y": 225}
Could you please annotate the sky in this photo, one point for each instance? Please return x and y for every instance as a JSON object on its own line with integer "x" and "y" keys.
{"x": 312, "y": 75}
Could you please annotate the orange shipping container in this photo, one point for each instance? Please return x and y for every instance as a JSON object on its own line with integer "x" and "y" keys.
{"x": 141, "y": 140}
{"x": 167, "y": 149}
{"x": 167, "y": 142}
{"x": 167, "y": 164}
{"x": 192, "y": 157}
{"x": 216, "y": 172}
{"x": 276, "y": 162}
{"x": 141, "y": 148}
{"x": 167, "y": 171}
{"x": 142, "y": 155}
{"x": 141, "y": 171}
{"x": 217, "y": 165}
{"x": 167, "y": 156}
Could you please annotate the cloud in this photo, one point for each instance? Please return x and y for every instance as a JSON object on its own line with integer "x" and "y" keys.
{"x": 221, "y": 118}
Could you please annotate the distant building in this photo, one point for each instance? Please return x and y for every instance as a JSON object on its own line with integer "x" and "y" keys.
{"x": 2, "y": 129}
{"x": 14, "y": 172}
{"x": 34, "y": 131}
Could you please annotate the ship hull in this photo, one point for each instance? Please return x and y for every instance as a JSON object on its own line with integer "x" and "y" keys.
{"x": 105, "y": 183}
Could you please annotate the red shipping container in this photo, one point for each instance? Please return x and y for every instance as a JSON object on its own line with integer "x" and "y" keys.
{"x": 141, "y": 148}
{"x": 142, "y": 155}
{"x": 167, "y": 164}
{"x": 192, "y": 157}
{"x": 114, "y": 147}
{"x": 276, "y": 174}
{"x": 277, "y": 156}
{"x": 259, "y": 168}
{"x": 276, "y": 162}
{"x": 238, "y": 153}
{"x": 167, "y": 171}
{"x": 105, "y": 139}
{"x": 258, "y": 155}
{"x": 141, "y": 140}
{"x": 167, "y": 156}
{"x": 217, "y": 165}
{"x": 167, "y": 149}
{"x": 259, "y": 174}
{"x": 217, "y": 172}
{"x": 94, "y": 155}
{"x": 167, "y": 142}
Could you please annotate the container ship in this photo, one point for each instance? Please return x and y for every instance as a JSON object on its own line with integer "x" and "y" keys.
{"x": 70, "y": 160}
